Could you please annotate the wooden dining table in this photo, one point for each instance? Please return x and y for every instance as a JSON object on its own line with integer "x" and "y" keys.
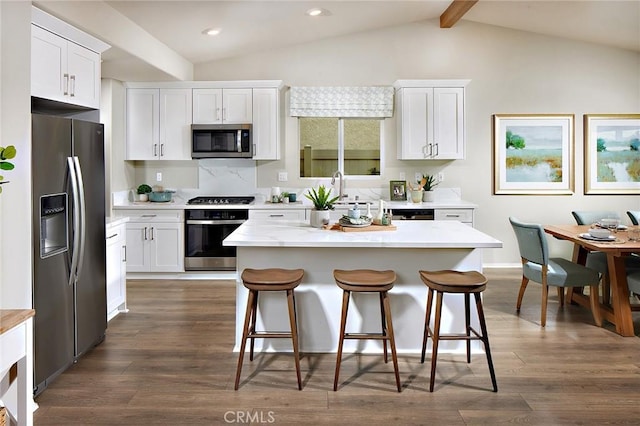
{"x": 619, "y": 311}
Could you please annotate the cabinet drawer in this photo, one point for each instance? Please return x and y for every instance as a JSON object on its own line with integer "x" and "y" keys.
{"x": 463, "y": 215}
{"x": 153, "y": 215}
{"x": 277, "y": 214}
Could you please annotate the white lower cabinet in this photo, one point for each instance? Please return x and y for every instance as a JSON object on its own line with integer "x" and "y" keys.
{"x": 116, "y": 270}
{"x": 284, "y": 214}
{"x": 463, "y": 215}
{"x": 155, "y": 242}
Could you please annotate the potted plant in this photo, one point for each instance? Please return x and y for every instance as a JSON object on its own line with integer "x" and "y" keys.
{"x": 143, "y": 192}
{"x": 430, "y": 181}
{"x": 322, "y": 204}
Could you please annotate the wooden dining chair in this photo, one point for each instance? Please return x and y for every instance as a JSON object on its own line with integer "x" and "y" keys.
{"x": 558, "y": 272}
{"x": 634, "y": 215}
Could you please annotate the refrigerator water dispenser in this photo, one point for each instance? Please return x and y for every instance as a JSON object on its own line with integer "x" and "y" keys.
{"x": 53, "y": 225}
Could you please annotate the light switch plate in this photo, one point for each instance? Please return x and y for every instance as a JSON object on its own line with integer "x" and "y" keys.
{"x": 418, "y": 177}
{"x": 159, "y": 177}
{"x": 283, "y": 177}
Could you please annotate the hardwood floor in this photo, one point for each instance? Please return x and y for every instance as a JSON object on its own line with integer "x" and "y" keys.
{"x": 170, "y": 361}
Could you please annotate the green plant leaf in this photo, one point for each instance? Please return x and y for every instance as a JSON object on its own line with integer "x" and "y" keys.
{"x": 5, "y": 165}
{"x": 8, "y": 153}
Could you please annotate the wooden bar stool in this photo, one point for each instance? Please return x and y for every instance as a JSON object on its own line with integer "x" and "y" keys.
{"x": 273, "y": 279}
{"x": 366, "y": 280}
{"x": 462, "y": 283}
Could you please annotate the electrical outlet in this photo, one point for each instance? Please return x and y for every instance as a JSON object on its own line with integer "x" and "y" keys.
{"x": 159, "y": 177}
{"x": 403, "y": 176}
{"x": 282, "y": 177}
{"x": 418, "y": 177}
{"x": 440, "y": 176}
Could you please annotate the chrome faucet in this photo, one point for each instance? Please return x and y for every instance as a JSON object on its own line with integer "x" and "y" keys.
{"x": 338, "y": 174}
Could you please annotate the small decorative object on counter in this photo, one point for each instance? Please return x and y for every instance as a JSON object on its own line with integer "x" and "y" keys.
{"x": 143, "y": 192}
{"x": 354, "y": 212}
{"x": 292, "y": 197}
{"x": 430, "y": 182}
{"x": 369, "y": 215}
{"x": 322, "y": 203}
{"x": 275, "y": 194}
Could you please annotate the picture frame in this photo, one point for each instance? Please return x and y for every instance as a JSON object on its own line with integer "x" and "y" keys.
{"x": 533, "y": 154}
{"x": 612, "y": 154}
{"x": 398, "y": 190}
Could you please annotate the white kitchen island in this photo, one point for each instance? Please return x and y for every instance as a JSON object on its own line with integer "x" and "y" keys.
{"x": 415, "y": 245}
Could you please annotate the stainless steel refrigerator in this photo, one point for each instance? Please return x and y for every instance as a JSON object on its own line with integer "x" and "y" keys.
{"x": 69, "y": 254}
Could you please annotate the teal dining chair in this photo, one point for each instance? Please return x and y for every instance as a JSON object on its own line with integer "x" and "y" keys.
{"x": 537, "y": 266}
{"x": 634, "y": 215}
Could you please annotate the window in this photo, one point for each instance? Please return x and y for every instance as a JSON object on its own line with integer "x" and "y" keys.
{"x": 351, "y": 145}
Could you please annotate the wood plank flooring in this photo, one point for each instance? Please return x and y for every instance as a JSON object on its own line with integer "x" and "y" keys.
{"x": 170, "y": 361}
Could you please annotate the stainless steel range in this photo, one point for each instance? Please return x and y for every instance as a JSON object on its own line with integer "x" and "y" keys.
{"x": 206, "y": 228}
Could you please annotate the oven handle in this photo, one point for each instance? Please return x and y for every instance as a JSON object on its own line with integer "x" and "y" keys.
{"x": 215, "y": 222}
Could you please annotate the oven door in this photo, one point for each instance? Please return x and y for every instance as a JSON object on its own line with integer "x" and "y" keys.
{"x": 203, "y": 245}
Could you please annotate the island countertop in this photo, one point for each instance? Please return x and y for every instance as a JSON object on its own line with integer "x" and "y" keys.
{"x": 409, "y": 234}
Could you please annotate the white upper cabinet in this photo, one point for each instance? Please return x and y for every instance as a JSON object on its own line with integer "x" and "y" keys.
{"x": 266, "y": 124}
{"x": 430, "y": 116}
{"x": 158, "y": 124}
{"x": 63, "y": 71}
{"x": 222, "y": 106}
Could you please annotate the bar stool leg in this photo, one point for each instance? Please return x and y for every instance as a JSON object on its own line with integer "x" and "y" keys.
{"x": 485, "y": 340}
{"x": 245, "y": 332}
{"x": 254, "y": 315}
{"x": 436, "y": 338}
{"x": 384, "y": 327}
{"x": 427, "y": 321}
{"x": 467, "y": 321}
{"x": 392, "y": 340}
{"x": 343, "y": 321}
{"x": 294, "y": 334}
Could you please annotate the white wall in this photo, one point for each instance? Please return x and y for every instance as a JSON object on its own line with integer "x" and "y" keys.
{"x": 15, "y": 129}
{"x": 510, "y": 71}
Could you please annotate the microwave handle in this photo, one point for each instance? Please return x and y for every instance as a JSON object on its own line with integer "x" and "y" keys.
{"x": 239, "y": 141}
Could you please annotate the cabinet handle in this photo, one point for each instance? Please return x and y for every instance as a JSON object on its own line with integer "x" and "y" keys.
{"x": 161, "y": 150}
{"x": 72, "y": 80}
{"x": 152, "y": 233}
{"x": 145, "y": 233}
{"x": 149, "y": 215}
{"x": 437, "y": 150}
{"x": 111, "y": 236}
{"x": 217, "y": 113}
{"x": 124, "y": 249}
{"x": 66, "y": 84}
{"x": 453, "y": 215}
{"x": 276, "y": 215}
{"x": 224, "y": 114}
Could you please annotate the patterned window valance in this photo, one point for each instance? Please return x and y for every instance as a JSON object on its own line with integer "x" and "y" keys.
{"x": 342, "y": 102}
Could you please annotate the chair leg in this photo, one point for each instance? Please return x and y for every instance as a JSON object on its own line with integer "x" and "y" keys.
{"x": 294, "y": 334}
{"x": 523, "y": 287}
{"x": 392, "y": 340}
{"x": 543, "y": 309}
{"x": 606, "y": 290}
{"x": 485, "y": 340}
{"x": 435, "y": 337}
{"x": 254, "y": 315}
{"x": 561, "y": 295}
{"x": 245, "y": 332}
{"x": 427, "y": 320}
{"x": 467, "y": 325}
{"x": 384, "y": 327}
{"x": 343, "y": 321}
{"x": 595, "y": 305}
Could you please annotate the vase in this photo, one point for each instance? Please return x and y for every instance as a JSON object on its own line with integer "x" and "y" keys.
{"x": 416, "y": 195}
{"x": 428, "y": 196}
{"x": 143, "y": 197}
{"x": 318, "y": 218}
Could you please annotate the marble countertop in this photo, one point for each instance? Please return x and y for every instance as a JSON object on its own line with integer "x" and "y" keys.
{"x": 115, "y": 221}
{"x": 409, "y": 234}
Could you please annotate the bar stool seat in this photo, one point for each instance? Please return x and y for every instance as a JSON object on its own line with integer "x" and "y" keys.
{"x": 272, "y": 279}
{"x": 367, "y": 280}
{"x": 467, "y": 283}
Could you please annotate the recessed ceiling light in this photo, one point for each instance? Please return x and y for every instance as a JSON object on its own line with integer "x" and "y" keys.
{"x": 317, "y": 11}
{"x": 212, "y": 31}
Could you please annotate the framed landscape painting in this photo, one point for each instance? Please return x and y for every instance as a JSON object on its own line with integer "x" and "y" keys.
{"x": 533, "y": 154}
{"x": 612, "y": 154}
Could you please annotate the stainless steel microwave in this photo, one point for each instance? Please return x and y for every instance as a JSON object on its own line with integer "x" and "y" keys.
{"x": 221, "y": 141}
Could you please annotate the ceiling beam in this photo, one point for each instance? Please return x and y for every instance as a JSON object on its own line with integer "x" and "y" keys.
{"x": 455, "y": 12}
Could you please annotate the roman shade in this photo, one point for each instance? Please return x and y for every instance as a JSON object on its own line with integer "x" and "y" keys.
{"x": 370, "y": 102}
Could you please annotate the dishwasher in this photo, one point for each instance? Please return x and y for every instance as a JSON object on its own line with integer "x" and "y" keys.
{"x": 413, "y": 214}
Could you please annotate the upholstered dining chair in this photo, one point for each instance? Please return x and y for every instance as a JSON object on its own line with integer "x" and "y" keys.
{"x": 558, "y": 272}
{"x": 598, "y": 260}
{"x": 634, "y": 215}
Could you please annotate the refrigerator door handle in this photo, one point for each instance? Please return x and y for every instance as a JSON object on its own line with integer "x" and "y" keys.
{"x": 76, "y": 221}
{"x": 83, "y": 215}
